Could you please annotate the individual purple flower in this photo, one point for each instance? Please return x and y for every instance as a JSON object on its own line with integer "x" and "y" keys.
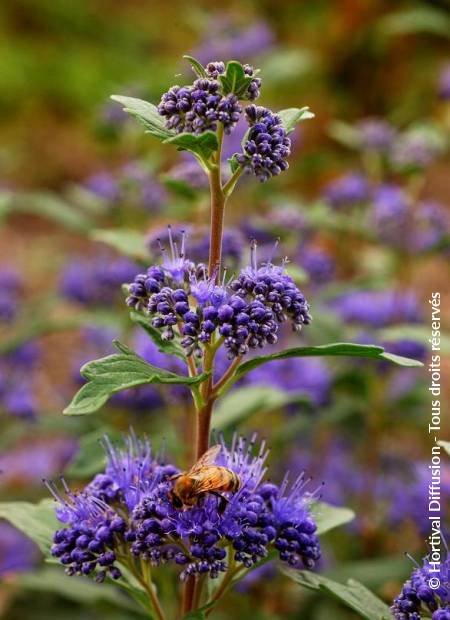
{"x": 267, "y": 144}
{"x": 95, "y": 280}
{"x": 311, "y": 377}
{"x": 17, "y": 552}
{"x": 375, "y": 134}
{"x": 418, "y": 599}
{"x": 348, "y": 190}
{"x": 444, "y": 83}
{"x": 225, "y": 40}
{"x": 378, "y": 308}
{"x": 246, "y": 311}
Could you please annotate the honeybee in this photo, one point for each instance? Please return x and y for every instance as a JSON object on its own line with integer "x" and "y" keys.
{"x": 204, "y": 477}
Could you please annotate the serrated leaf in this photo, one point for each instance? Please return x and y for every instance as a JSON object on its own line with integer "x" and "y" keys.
{"x": 118, "y": 372}
{"x": 243, "y": 402}
{"x": 353, "y": 594}
{"x": 37, "y": 521}
{"x": 291, "y": 116}
{"x": 445, "y": 445}
{"x": 234, "y": 80}
{"x": 146, "y": 113}
{"x": 196, "y": 65}
{"x": 338, "y": 349}
{"x": 171, "y": 347}
{"x": 327, "y": 517}
{"x": 126, "y": 241}
{"x": 202, "y": 145}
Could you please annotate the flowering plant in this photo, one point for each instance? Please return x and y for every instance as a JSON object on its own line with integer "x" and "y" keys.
{"x": 222, "y": 517}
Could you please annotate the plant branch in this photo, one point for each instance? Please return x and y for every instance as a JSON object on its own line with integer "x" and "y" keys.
{"x": 229, "y": 185}
{"x": 226, "y": 376}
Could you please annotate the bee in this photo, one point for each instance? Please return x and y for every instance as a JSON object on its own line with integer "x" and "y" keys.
{"x": 204, "y": 477}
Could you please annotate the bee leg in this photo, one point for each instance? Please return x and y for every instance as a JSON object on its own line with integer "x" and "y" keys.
{"x": 175, "y": 501}
{"x": 223, "y": 501}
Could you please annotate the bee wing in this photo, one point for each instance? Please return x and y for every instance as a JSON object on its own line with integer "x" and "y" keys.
{"x": 206, "y": 459}
{"x": 209, "y": 479}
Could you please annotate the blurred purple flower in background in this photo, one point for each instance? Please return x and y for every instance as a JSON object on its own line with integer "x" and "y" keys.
{"x": 225, "y": 40}
{"x": 311, "y": 377}
{"x": 417, "y": 147}
{"x": 348, "y": 190}
{"x": 444, "y": 83}
{"x": 95, "y": 280}
{"x": 390, "y": 213}
{"x": 17, "y": 396}
{"x": 318, "y": 264}
{"x": 375, "y": 134}
{"x": 27, "y": 463}
{"x": 132, "y": 184}
{"x": 11, "y": 285}
{"x": 17, "y": 552}
{"x": 378, "y": 308}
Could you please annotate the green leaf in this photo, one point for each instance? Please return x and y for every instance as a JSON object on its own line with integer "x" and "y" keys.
{"x": 118, "y": 372}
{"x": 77, "y": 589}
{"x": 373, "y": 573}
{"x": 197, "y": 66}
{"x": 234, "y": 164}
{"x": 344, "y": 133}
{"x": 146, "y": 113}
{"x": 50, "y": 206}
{"x": 37, "y": 521}
{"x": 353, "y": 594}
{"x": 171, "y": 347}
{"x": 180, "y": 187}
{"x": 338, "y": 349}
{"x": 234, "y": 80}
{"x": 416, "y": 20}
{"x": 126, "y": 241}
{"x": 445, "y": 445}
{"x": 327, "y": 517}
{"x": 291, "y": 116}
{"x": 202, "y": 145}
{"x": 243, "y": 402}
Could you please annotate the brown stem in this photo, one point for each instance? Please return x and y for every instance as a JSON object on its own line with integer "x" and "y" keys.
{"x": 227, "y": 374}
{"x": 204, "y": 427}
{"x": 217, "y": 216}
{"x": 188, "y": 596}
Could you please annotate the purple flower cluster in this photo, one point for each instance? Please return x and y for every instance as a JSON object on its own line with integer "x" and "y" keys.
{"x": 201, "y": 539}
{"x": 200, "y": 107}
{"x": 418, "y": 600}
{"x": 246, "y": 312}
{"x": 347, "y": 191}
{"x": 95, "y": 280}
{"x": 267, "y": 145}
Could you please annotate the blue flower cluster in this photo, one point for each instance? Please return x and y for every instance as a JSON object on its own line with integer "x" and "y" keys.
{"x": 267, "y": 145}
{"x": 417, "y": 597}
{"x": 130, "y": 507}
{"x": 246, "y": 312}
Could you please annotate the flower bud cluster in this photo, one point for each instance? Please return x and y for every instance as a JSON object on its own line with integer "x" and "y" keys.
{"x": 267, "y": 145}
